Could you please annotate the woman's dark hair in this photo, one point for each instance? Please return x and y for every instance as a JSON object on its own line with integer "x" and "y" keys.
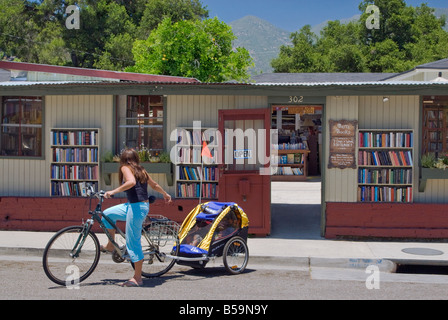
{"x": 129, "y": 158}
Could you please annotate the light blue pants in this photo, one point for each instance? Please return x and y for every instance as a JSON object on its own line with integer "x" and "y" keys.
{"x": 134, "y": 214}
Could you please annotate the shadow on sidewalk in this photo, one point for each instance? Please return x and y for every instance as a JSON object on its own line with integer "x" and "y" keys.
{"x": 295, "y": 221}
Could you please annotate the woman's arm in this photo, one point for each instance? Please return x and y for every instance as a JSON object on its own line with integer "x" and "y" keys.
{"x": 155, "y": 186}
{"x": 129, "y": 182}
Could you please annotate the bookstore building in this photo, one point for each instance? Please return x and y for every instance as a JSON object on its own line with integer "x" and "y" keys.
{"x": 379, "y": 142}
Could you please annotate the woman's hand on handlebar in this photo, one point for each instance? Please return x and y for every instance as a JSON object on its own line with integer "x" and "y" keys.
{"x": 108, "y": 194}
{"x": 167, "y": 198}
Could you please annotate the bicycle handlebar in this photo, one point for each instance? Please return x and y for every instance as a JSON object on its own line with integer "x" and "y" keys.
{"x": 100, "y": 194}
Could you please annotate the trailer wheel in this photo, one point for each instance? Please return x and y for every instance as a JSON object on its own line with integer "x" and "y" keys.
{"x": 236, "y": 255}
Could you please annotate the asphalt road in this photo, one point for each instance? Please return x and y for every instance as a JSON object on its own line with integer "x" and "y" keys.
{"x": 22, "y": 277}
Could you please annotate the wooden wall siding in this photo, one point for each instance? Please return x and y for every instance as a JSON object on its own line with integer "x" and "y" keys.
{"x": 436, "y": 192}
{"x": 340, "y": 184}
{"x": 183, "y": 110}
{"x": 400, "y": 112}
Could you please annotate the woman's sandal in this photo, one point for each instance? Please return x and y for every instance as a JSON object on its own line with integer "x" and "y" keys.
{"x": 104, "y": 250}
{"x": 131, "y": 284}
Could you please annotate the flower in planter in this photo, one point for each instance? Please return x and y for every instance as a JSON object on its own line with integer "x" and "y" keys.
{"x": 442, "y": 162}
{"x": 430, "y": 161}
{"x": 144, "y": 154}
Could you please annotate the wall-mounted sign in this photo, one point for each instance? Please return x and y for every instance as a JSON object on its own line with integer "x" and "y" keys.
{"x": 303, "y": 109}
{"x": 342, "y": 144}
{"x": 242, "y": 154}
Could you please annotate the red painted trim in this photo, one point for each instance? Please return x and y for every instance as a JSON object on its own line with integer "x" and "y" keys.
{"x": 126, "y": 76}
{"x": 53, "y": 214}
{"x": 386, "y": 220}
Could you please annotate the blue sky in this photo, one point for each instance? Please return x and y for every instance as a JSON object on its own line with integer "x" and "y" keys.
{"x": 291, "y": 15}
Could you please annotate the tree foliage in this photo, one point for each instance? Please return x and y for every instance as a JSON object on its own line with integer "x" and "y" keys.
{"x": 407, "y": 37}
{"x": 200, "y": 49}
{"x": 35, "y": 30}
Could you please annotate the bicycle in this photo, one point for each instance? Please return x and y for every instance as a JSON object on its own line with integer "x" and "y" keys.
{"x": 79, "y": 246}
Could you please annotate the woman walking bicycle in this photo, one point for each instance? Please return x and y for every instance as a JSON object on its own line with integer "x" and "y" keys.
{"x": 135, "y": 181}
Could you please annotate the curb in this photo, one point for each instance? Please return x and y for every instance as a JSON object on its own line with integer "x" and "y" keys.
{"x": 388, "y": 265}
{"x": 281, "y": 261}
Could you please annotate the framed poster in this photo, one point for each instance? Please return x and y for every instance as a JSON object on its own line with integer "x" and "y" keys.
{"x": 342, "y": 144}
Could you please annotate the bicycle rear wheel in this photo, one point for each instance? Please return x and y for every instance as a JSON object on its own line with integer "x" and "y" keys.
{"x": 159, "y": 250}
{"x": 71, "y": 256}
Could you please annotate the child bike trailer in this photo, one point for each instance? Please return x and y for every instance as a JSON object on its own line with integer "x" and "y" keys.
{"x": 211, "y": 230}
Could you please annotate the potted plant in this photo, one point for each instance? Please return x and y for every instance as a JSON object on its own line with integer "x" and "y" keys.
{"x": 432, "y": 167}
{"x": 153, "y": 162}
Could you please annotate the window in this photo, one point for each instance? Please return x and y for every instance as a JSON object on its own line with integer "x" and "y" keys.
{"x": 21, "y": 127}
{"x": 435, "y": 125}
{"x": 142, "y": 125}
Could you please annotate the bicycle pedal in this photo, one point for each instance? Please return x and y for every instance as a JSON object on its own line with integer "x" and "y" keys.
{"x": 117, "y": 258}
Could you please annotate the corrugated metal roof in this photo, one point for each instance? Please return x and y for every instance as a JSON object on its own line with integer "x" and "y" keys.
{"x": 266, "y": 84}
{"x": 46, "y": 83}
{"x": 320, "y": 77}
{"x": 364, "y": 83}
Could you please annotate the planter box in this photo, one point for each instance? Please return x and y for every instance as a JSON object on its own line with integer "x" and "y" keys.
{"x": 107, "y": 168}
{"x": 426, "y": 173}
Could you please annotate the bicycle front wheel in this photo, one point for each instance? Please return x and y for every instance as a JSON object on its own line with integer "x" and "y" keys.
{"x": 71, "y": 255}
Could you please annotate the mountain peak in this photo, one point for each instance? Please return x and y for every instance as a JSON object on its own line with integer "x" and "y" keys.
{"x": 261, "y": 38}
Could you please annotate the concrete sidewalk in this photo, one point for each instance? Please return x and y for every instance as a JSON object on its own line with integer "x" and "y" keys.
{"x": 295, "y": 240}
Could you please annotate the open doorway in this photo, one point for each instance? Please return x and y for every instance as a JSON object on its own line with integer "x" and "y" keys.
{"x": 299, "y": 141}
{"x": 296, "y": 190}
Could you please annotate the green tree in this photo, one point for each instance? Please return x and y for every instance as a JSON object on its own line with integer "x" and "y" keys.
{"x": 177, "y": 10}
{"x": 192, "y": 48}
{"x": 407, "y": 37}
{"x": 35, "y": 30}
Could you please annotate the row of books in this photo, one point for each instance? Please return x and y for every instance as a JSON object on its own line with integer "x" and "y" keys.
{"x": 74, "y": 172}
{"x": 386, "y": 139}
{"x": 196, "y": 174}
{"x": 75, "y": 154}
{"x": 288, "y": 171}
{"x": 385, "y": 176}
{"x": 291, "y": 146}
{"x": 74, "y": 138}
{"x": 385, "y": 158}
{"x": 194, "y": 155}
{"x": 193, "y": 190}
{"x": 70, "y": 189}
{"x": 291, "y": 158}
{"x": 384, "y": 194}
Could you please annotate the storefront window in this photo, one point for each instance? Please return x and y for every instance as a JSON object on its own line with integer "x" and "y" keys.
{"x": 21, "y": 127}
{"x": 142, "y": 125}
{"x": 435, "y": 125}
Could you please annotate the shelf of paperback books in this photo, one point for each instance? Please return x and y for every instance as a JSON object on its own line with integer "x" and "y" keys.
{"x": 385, "y": 165}
{"x": 292, "y": 165}
{"x": 191, "y": 168}
{"x": 75, "y": 161}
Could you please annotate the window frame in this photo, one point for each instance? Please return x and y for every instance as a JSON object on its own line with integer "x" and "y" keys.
{"x": 122, "y": 121}
{"x": 441, "y": 104}
{"x": 39, "y": 126}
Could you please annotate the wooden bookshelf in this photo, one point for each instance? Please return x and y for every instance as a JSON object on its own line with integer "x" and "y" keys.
{"x": 292, "y": 165}
{"x": 74, "y": 161}
{"x": 385, "y": 165}
{"x": 189, "y": 170}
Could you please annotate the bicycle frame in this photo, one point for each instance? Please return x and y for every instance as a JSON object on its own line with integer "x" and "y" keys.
{"x": 96, "y": 216}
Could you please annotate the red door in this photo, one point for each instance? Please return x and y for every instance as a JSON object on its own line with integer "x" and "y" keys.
{"x": 246, "y": 149}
